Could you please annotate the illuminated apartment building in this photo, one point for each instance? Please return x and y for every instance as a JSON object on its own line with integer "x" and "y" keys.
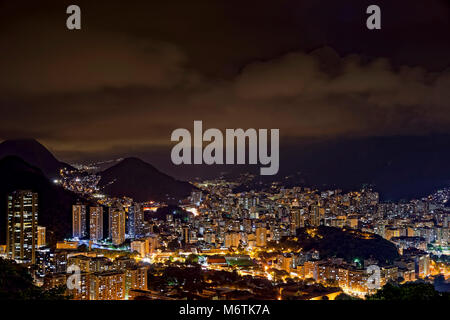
{"x": 287, "y": 262}
{"x": 311, "y": 269}
{"x": 89, "y": 264}
{"x": 297, "y": 218}
{"x": 82, "y": 290}
{"x": 390, "y": 233}
{"x": 83, "y": 262}
{"x": 67, "y": 245}
{"x": 357, "y": 280}
{"x": 388, "y": 274}
{"x": 316, "y": 215}
{"x": 135, "y": 279}
{"x": 232, "y": 239}
{"x": 21, "y": 231}
{"x": 140, "y": 247}
{"x": 96, "y": 223}
{"x": 79, "y": 221}
{"x": 343, "y": 277}
{"x": 107, "y": 286}
{"x": 135, "y": 221}
{"x": 327, "y": 273}
{"x": 117, "y": 226}
{"x": 146, "y": 245}
{"x": 41, "y": 241}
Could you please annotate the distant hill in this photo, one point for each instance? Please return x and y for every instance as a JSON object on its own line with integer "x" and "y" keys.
{"x": 141, "y": 181}
{"x": 55, "y": 203}
{"x": 34, "y": 153}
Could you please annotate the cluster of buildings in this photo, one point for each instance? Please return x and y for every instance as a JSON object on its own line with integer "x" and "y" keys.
{"x": 97, "y": 278}
{"x": 115, "y": 224}
{"x": 101, "y": 277}
{"x": 247, "y": 222}
{"x": 226, "y": 219}
{"x": 227, "y": 231}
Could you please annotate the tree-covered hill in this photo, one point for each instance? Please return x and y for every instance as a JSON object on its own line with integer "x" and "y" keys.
{"x": 348, "y": 244}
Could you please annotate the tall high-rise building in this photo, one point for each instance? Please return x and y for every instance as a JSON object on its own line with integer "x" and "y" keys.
{"x": 130, "y": 224}
{"x": 139, "y": 221}
{"x": 135, "y": 221}
{"x": 79, "y": 221}
{"x": 117, "y": 218}
{"x": 110, "y": 210}
{"x": 96, "y": 223}
{"x": 41, "y": 241}
{"x": 21, "y": 231}
{"x": 316, "y": 215}
{"x": 297, "y": 218}
{"x": 115, "y": 207}
{"x": 186, "y": 234}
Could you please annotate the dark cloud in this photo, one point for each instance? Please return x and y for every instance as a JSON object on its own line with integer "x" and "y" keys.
{"x": 139, "y": 70}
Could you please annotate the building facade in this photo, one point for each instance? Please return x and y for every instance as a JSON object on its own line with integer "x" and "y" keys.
{"x": 21, "y": 231}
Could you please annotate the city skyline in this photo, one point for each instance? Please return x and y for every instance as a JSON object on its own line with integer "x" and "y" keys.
{"x": 225, "y": 150}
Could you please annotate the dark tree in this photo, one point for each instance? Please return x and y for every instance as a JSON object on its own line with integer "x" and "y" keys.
{"x": 409, "y": 291}
{"x": 16, "y": 284}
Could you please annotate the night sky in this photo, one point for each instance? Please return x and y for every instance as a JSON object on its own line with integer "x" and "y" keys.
{"x": 140, "y": 69}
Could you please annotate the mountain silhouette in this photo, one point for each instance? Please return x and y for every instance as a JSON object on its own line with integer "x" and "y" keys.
{"x": 55, "y": 203}
{"x": 141, "y": 181}
{"x": 33, "y": 153}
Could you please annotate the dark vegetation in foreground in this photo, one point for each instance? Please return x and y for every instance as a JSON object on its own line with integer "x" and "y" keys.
{"x": 17, "y": 284}
{"x": 411, "y": 292}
